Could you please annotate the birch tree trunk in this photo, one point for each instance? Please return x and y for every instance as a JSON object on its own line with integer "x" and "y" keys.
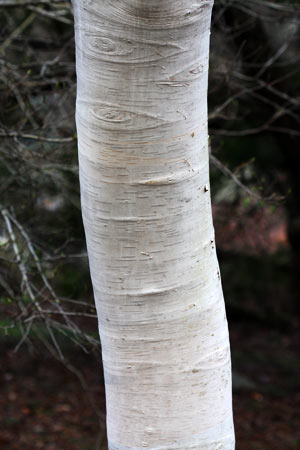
{"x": 143, "y": 152}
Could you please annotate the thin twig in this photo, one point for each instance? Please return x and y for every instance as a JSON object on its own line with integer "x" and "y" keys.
{"x": 17, "y": 31}
{"x": 245, "y": 188}
{"x": 51, "y": 15}
{"x": 20, "y": 263}
{"x": 14, "y": 134}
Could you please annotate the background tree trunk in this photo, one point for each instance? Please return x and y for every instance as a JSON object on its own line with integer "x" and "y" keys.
{"x": 143, "y": 153}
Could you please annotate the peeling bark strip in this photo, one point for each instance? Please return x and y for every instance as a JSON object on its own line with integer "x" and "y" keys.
{"x": 143, "y": 151}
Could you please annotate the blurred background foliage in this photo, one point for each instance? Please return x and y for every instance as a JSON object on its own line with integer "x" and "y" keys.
{"x": 46, "y": 300}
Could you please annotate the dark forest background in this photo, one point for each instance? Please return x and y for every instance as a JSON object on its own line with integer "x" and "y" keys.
{"x": 52, "y": 394}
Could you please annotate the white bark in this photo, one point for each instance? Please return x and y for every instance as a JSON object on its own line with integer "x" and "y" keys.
{"x": 143, "y": 151}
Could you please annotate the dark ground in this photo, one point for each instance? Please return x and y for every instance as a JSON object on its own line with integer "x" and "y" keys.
{"x": 48, "y": 408}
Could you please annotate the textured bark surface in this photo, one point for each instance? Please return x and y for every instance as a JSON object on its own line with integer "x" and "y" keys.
{"x": 143, "y": 153}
